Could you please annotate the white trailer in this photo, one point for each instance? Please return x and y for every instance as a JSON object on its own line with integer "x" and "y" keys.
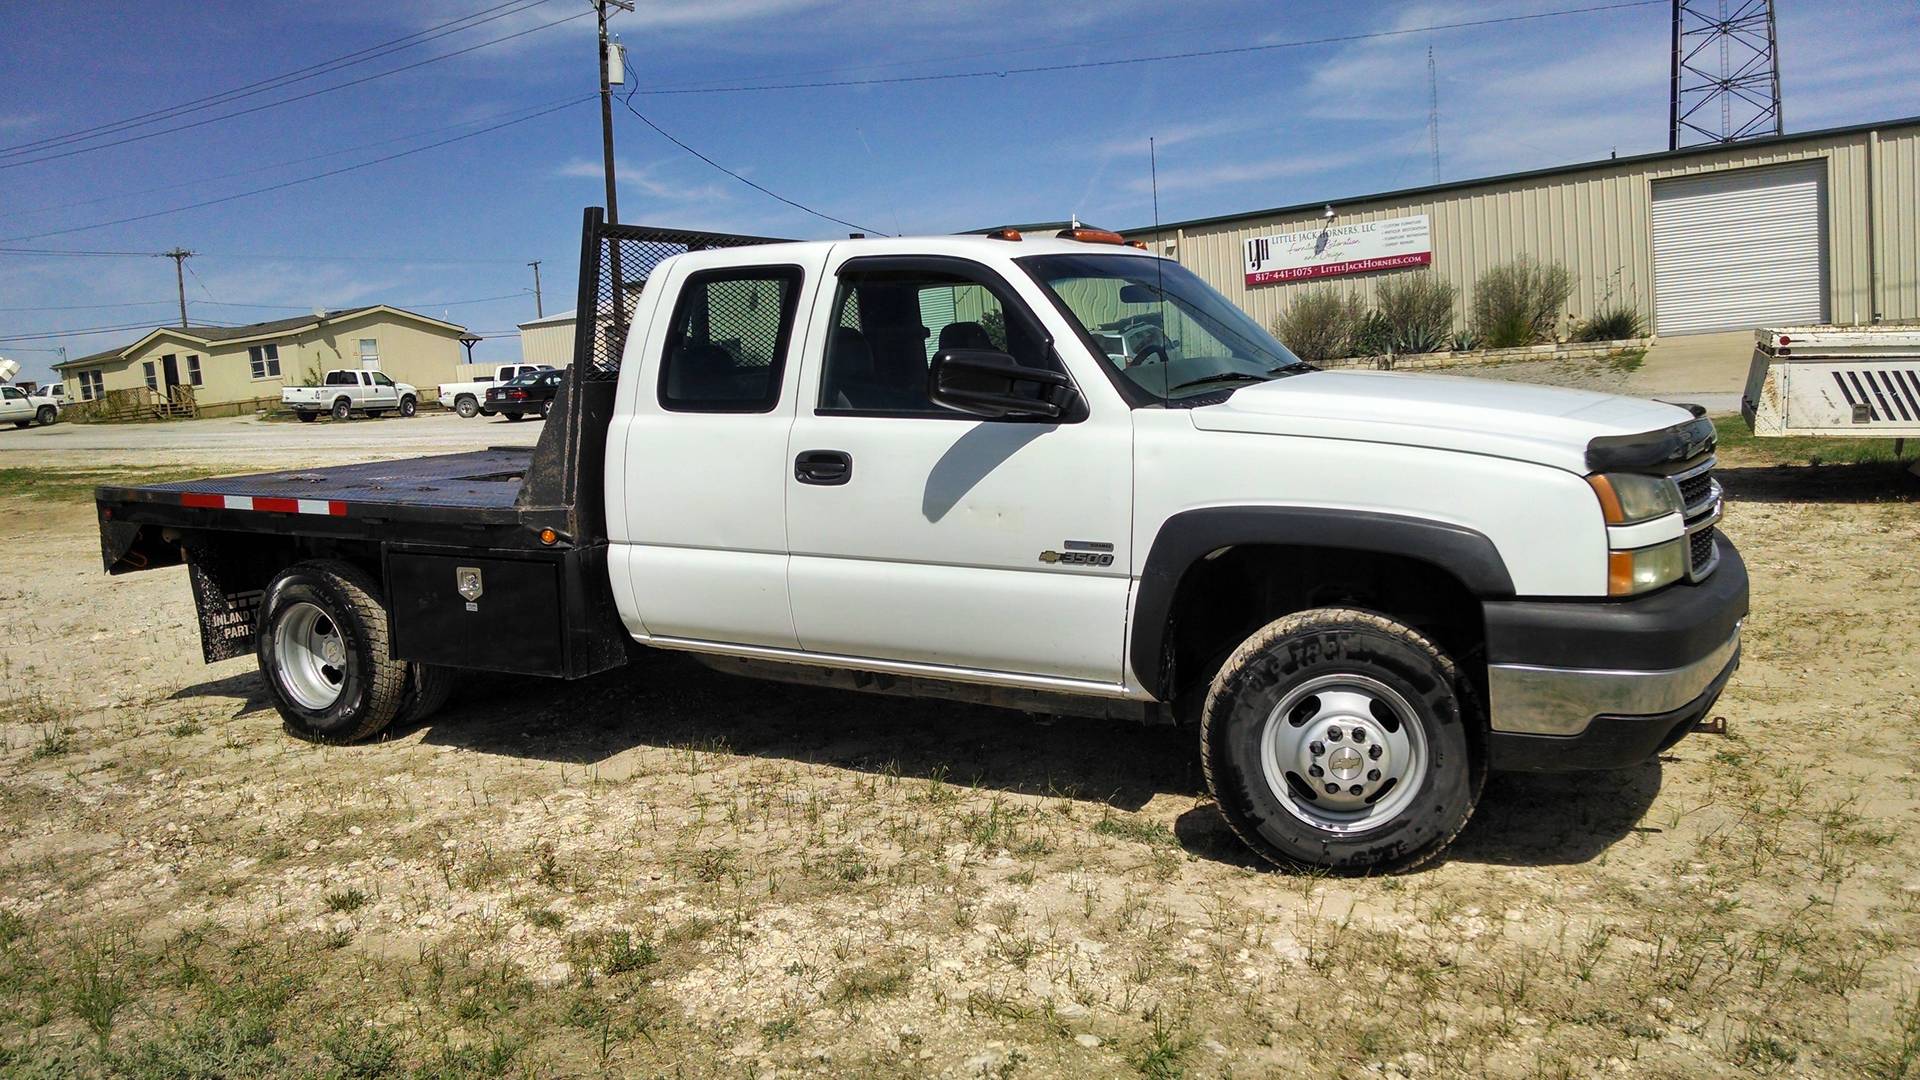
{"x": 1859, "y": 382}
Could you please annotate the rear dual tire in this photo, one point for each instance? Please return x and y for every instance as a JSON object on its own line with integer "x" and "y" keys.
{"x": 1337, "y": 739}
{"x": 323, "y": 649}
{"x": 342, "y": 409}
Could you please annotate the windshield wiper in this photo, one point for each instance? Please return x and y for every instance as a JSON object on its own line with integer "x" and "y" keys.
{"x": 1295, "y": 368}
{"x": 1218, "y": 377}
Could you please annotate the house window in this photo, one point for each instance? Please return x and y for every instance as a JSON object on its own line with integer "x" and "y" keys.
{"x": 369, "y": 352}
{"x": 90, "y": 385}
{"x": 265, "y": 360}
{"x": 193, "y": 371}
{"x": 152, "y": 383}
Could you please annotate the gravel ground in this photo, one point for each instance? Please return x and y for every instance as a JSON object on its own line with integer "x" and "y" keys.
{"x": 665, "y": 870}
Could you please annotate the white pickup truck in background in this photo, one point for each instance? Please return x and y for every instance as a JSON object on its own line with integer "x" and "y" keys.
{"x": 345, "y": 391}
{"x": 469, "y": 398}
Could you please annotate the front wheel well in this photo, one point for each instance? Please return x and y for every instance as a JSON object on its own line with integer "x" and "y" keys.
{"x": 1232, "y": 592}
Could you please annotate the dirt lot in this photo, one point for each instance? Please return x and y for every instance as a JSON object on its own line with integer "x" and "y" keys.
{"x": 669, "y": 871}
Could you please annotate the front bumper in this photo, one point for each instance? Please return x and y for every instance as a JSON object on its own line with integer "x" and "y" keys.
{"x": 1607, "y": 684}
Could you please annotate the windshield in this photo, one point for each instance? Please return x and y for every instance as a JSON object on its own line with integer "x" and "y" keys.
{"x": 1159, "y": 325}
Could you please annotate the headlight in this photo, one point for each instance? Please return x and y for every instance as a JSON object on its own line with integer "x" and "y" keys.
{"x": 1647, "y": 568}
{"x": 1630, "y": 498}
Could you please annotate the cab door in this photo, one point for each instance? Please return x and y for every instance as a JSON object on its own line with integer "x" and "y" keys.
{"x": 698, "y": 505}
{"x": 382, "y": 393}
{"x": 929, "y": 537}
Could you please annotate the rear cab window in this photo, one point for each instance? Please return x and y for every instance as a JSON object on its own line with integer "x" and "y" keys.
{"x": 726, "y": 344}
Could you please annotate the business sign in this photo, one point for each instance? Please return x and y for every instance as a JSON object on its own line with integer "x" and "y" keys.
{"x": 1388, "y": 244}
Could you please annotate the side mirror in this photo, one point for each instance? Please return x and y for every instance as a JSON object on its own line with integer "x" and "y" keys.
{"x": 985, "y": 382}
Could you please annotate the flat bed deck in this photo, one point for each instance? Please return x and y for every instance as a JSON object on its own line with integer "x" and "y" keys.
{"x": 480, "y": 486}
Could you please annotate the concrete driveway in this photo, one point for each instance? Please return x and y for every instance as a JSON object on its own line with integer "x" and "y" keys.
{"x": 254, "y": 441}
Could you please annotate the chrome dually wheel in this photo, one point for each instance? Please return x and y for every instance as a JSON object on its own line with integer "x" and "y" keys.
{"x": 310, "y": 655}
{"x": 1344, "y": 752}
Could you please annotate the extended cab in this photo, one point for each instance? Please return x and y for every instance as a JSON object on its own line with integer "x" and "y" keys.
{"x": 921, "y": 466}
{"x": 345, "y": 391}
{"x": 469, "y": 398}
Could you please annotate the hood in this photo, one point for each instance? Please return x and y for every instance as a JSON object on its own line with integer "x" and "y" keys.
{"x": 1543, "y": 424}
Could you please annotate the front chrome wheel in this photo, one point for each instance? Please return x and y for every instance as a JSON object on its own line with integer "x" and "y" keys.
{"x": 1344, "y": 753}
{"x": 311, "y": 656}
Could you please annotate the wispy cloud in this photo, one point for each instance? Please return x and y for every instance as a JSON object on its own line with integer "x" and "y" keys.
{"x": 647, "y": 178}
{"x": 17, "y": 121}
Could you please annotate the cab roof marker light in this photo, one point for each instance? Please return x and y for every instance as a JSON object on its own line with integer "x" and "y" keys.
{"x": 1004, "y": 234}
{"x": 1091, "y": 236}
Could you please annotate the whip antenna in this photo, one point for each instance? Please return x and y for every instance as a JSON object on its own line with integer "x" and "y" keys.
{"x": 1159, "y": 281}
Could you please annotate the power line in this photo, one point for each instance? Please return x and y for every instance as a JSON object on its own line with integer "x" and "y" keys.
{"x": 291, "y": 183}
{"x": 289, "y": 100}
{"x": 359, "y": 56}
{"x": 1001, "y": 73}
{"x": 628, "y": 102}
{"x": 203, "y": 180}
{"x": 91, "y": 307}
{"x": 90, "y": 254}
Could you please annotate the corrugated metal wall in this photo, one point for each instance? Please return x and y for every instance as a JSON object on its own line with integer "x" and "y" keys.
{"x": 1598, "y": 222}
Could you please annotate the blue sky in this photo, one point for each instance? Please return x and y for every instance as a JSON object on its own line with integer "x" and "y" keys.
{"x": 458, "y": 223}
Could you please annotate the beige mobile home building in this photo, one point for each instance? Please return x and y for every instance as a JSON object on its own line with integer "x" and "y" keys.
{"x": 227, "y": 370}
{"x": 1822, "y": 226}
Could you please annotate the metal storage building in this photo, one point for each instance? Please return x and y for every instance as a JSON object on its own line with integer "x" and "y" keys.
{"x": 1822, "y": 226}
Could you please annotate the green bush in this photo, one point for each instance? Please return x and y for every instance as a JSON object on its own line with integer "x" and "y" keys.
{"x": 1418, "y": 312}
{"x": 1373, "y": 336}
{"x": 1321, "y": 324}
{"x": 1519, "y": 303}
{"x": 1615, "y": 322}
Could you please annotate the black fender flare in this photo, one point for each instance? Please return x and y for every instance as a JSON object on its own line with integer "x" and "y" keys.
{"x": 1187, "y": 537}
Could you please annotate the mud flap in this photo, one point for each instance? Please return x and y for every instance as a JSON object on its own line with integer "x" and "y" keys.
{"x": 227, "y": 619}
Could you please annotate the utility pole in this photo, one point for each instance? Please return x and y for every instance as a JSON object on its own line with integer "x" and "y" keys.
{"x": 539, "y": 310}
{"x": 180, "y": 255}
{"x": 606, "y": 106}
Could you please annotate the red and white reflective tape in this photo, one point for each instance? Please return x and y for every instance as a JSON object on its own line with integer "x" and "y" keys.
{"x": 323, "y": 507}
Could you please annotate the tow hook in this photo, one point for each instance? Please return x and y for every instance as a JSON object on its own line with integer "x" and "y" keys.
{"x": 1716, "y": 725}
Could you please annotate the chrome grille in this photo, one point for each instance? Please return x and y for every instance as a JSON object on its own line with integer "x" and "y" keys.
{"x": 1700, "y": 497}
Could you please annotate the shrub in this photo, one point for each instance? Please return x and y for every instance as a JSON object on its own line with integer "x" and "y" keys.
{"x": 1519, "y": 303}
{"x": 1373, "y": 336}
{"x": 1321, "y": 324}
{"x": 1418, "y": 312}
{"x": 1615, "y": 322}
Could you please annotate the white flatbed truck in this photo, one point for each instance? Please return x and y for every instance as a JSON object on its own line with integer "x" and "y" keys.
{"x": 911, "y": 466}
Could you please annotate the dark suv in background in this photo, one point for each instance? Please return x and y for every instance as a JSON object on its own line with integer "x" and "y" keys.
{"x": 528, "y": 395}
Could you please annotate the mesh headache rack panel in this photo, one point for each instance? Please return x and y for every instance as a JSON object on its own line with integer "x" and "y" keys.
{"x": 619, "y": 259}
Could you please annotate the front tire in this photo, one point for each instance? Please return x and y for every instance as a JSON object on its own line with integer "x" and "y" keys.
{"x": 342, "y": 409}
{"x": 323, "y": 649}
{"x": 466, "y": 406}
{"x": 1337, "y": 739}
{"x": 307, "y": 417}
{"x": 47, "y": 415}
{"x": 408, "y": 406}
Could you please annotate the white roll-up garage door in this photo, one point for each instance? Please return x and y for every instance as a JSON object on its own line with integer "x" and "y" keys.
{"x": 1740, "y": 249}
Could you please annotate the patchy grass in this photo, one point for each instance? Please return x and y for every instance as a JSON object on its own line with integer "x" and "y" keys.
{"x": 76, "y": 484}
{"x": 1741, "y": 446}
{"x": 1625, "y": 361}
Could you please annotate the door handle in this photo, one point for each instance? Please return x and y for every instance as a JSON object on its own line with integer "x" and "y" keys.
{"x": 827, "y": 468}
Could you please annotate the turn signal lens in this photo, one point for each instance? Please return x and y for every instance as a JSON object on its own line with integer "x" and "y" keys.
{"x": 1630, "y": 498}
{"x": 1645, "y": 569}
{"x": 549, "y": 537}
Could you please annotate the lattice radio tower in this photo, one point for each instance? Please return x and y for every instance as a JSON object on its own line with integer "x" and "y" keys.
{"x": 1726, "y": 70}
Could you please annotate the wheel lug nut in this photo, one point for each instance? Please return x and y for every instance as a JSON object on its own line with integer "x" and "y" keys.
{"x": 1359, "y": 735}
{"x": 1373, "y": 775}
{"x": 1317, "y": 748}
{"x": 1354, "y": 790}
{"x": 1333, "y": 789}
{"x": 1374, "y": 751}
{"x": 1333, "y": 734}
{"x": 1316, "y": 771}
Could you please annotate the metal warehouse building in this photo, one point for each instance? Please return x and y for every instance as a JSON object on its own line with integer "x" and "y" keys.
{"x": 1816, "y": 227}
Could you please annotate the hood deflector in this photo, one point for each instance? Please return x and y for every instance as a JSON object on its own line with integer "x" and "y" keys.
{"x": 1653, "y": 449}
